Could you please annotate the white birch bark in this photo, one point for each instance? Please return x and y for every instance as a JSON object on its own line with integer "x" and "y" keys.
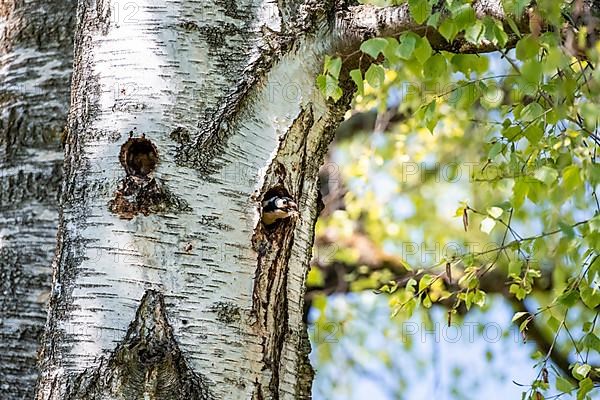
{"x": 35, "y": 67}
{"x": 231, "y": 116}
{"x": 184, "y": 115}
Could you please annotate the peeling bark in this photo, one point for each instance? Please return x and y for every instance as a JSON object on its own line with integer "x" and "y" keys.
{"x": 35, "y": 67}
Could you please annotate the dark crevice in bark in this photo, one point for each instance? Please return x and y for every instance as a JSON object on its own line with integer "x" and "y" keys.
{"x": 270, "y": 295}
{"x": 290, "y": 173}
{"x": 147, "y": 364}
{"x": 274, "y": 246}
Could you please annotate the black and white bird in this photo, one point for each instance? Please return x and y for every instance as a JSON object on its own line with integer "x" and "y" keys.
{"x": 277, "y": 208}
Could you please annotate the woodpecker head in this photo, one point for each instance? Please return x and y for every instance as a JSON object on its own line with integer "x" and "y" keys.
{"x": 276, "y": 208}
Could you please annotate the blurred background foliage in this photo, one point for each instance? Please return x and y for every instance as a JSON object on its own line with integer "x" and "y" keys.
{"x": 463, "y": 187}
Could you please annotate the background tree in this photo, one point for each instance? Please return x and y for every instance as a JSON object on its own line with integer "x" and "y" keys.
{"x": 36, "y": 45}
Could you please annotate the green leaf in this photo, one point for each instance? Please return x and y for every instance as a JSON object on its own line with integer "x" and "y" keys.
{"x": 531, "y": 112}
{"x": 494, "y": 32}
{"x": 435, "y": 67}
{"x": 514, "y": 268}
{"x": 495, "y": 150}
{"x": 329, "y": 87}
{"x": 374, "y": 46}
{"x": 474, "y": 32}
{"x": 534, "y": 133}
{"x": 517, "y": 6}
{"x": 568, "y": 298}
{"x": 520, "y": 190}
{"x": 356, "y": 76}
{"x": 553, "y": 324}
{"x": 423, "y": 50}
{"x": 375, "y": 75}
{"x": 585, "y": 386}
{"x": 566, "y": 229}
{"x": 468, "y": 63}
{"x": 425, "y": 282}
{"x": 532, "y": 73}
{"x": 430, "y": 116}
{"x": 464, "y": 16}
{"x": 523, "y": 325}
{"x": 592, "y": 342}
{"x": 333, "y": 66}
{"x": 427, "y": 302}
{"x": 520, "y": 294}
{"x": 580, "y": 371}
{"x": 527, "y": 47}
{"x": 590, "y": 113}
{"x": 390, "y": 52}
{"x": 571, "y": 178}
{"x": 513, "y": 25}
{"x": 547, "y": 175}
{"x": 501, "y": 36}
{"x": 589, "y": 296}
{"x": 420, "y": 10}
{"x": 408, "y": 43}
{"x": 410, "y": 285}
{"x": 448, "y": 29}
{"x": 479, "y": 298}
{"x": 564, "y": 385}
{"x": 495, "y": 212}
{"x": 519, "y": 315}
{"x": 511, "y": 132}
{"x": 434, "y": 20}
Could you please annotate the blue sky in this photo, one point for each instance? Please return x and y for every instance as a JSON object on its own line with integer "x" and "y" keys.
{"x": 479, "y": 359}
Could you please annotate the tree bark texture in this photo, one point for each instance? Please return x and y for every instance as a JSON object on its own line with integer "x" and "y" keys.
{"x": 186, "y": 115}
{"x": 36, "y": 44}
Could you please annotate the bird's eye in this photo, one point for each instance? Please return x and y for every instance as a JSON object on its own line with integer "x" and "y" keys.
{"x": 285, "y": 202}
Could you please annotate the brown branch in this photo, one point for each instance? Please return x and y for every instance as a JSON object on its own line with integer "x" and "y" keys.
{"x": 544, "y": 343}
{"x": 358, "y": 23}
{"x": 335, "y": 282}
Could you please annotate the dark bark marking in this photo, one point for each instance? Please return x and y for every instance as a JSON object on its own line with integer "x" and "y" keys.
{"x": 147, "y": 364}
{"x": 227, "y": 312}
{"x": 180, "y": 135}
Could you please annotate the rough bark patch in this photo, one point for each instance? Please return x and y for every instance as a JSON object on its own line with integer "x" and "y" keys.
{"x": 146, "y": 365}
{"x": 274, "y": 247}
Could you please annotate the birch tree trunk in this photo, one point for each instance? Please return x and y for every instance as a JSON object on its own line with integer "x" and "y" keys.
{"x": 35, "y": 68}
{"x": 184, "y": 116}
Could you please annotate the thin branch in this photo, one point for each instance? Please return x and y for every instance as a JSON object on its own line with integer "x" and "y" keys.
{"x": 354, "y": 25}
